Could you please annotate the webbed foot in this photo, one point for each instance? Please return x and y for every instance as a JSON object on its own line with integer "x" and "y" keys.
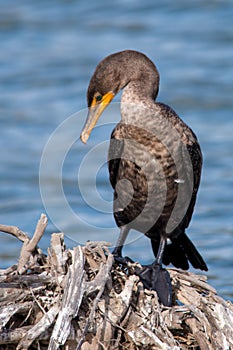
{"x": 155, "y": 277}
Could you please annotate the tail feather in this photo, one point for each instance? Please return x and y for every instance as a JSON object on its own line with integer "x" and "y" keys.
{"x": 175, "y": 254}
{"x": 180, "y": 252}
{"x": 193, "y": 255}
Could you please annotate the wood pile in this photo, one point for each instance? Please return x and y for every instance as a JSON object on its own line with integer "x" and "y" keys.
{"x": 81, "y": 299}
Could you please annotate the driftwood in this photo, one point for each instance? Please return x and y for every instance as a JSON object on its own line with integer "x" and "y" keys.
{"x": 81, "y": 299}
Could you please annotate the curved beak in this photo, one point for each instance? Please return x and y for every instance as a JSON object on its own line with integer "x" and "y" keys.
{"x": 95, "y": 111}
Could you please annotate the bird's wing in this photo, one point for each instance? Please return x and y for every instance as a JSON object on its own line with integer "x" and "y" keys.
{"x": 196, "y": 158}
{"x": 114, "y": 154}
{"x": 189, "y": 140}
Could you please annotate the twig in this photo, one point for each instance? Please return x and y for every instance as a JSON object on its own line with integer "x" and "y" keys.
{"x": 29, "y": 246}
{"x": 58, "y": 253}
{"x": 37, "y": 302}
{"x": 15, "y": 231}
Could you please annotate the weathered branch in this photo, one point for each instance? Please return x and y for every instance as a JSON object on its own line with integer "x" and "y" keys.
{"x": 72, "y": 298}
{"x": 30, "y": 245}
{"x": 15, "y": 231}
{"x": 40, "y": 327}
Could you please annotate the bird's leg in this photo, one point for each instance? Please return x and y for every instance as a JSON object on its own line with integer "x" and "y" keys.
{"x": 155, "y": 277}
{"x": 162, "y": 245}
{"x": 117, "y": 252}
{"x": 120, "y": 241}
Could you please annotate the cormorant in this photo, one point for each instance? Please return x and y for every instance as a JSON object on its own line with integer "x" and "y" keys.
{"x": 154, "y": 164}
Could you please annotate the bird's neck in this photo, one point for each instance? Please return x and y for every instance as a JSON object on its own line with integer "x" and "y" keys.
{"x": 138, "y": 92}
{"x": 135, "y": 97}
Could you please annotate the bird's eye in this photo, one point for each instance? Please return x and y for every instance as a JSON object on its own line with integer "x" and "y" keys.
{"x": 98, "y": 98}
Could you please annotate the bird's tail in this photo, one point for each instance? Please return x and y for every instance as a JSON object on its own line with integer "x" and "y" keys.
{"x": 180, "y": 252}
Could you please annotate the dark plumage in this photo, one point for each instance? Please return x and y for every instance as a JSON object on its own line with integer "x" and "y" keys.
{"x": 153, "y": 150}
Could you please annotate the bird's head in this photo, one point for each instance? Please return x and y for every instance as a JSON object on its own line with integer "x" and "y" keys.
{"x": 111, "y": 75}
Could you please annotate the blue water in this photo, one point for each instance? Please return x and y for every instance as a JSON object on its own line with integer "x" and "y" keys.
{"x": 48, "y": 53}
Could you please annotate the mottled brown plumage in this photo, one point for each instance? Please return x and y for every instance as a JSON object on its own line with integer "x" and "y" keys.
{"x": 154, "y": 158}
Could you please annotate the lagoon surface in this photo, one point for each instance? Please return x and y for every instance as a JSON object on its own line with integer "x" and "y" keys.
{"x": 48, "y": 53}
